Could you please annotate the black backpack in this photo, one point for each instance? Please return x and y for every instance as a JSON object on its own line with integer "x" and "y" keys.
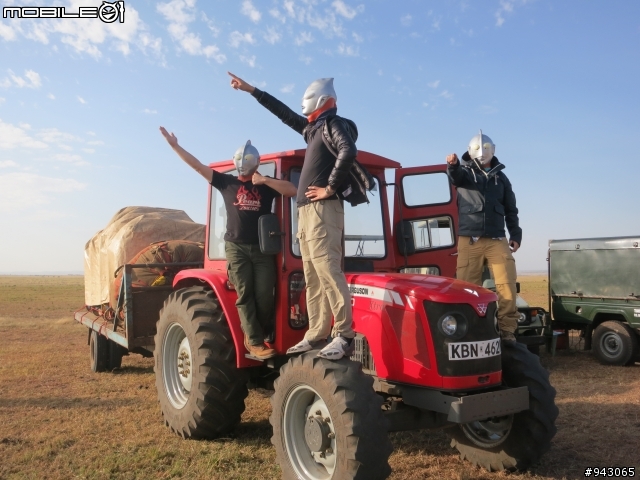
{"x": 359, "y": 181}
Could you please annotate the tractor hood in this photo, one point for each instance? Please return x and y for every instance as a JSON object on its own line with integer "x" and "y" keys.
{"x": 402, "y": 288}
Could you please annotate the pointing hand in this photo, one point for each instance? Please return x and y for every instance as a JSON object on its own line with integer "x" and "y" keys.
{"x": 238, "y": 84}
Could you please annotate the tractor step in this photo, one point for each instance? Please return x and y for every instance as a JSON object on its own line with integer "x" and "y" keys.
{"x": 268, "y": 362}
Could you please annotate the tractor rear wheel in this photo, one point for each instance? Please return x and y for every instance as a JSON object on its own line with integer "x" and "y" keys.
{"x": 513, "y": 442}
{"x": 614, "y": 343}
{"x": 328, "y": 422}
{"x": 201, "y": 392}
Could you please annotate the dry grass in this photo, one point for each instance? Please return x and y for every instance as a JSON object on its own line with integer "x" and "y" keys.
{"x": 60, "y": 421}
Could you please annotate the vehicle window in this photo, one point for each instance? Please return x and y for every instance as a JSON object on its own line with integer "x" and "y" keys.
{"x": 426, "y": 189}
{"x": 432, "y": 233}
{"x": 421, "y": 270}
{"x": 363, "y": 227}
{"x": 218, "y": 214}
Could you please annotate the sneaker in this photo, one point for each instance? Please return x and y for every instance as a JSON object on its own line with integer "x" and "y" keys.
{"x": 508, "y": 337}
{"x": 260, "y": 351}
{"x": 303, "y": 346}
{"x": 338, "y": 348}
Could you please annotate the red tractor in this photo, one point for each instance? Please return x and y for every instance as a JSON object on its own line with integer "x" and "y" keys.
{"x": 427, "y": 351}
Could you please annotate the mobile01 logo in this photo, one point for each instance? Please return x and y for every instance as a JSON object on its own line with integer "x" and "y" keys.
{"x": 108, "y": 12}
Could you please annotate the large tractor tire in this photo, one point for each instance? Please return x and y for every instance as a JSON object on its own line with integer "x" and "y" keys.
{"x": 328, "y": 422}
{"x": 98, "y": 352}
{"x": 201, "y": 392}
{"x": 614, "y": 343}
{"x": 513, "y": 442}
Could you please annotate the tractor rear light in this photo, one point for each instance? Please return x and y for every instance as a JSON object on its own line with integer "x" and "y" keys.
{"x": 298, "y": 317}
{"x": 230, "y": 286}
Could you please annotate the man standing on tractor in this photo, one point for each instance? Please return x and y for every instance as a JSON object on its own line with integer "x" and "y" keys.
{"x": 320, "y": 210}
{"x": 253, "y": 273}
{"x": 485, "y": 203}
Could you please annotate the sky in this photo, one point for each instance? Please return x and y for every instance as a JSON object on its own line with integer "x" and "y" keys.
{"x": 554, "y": 84}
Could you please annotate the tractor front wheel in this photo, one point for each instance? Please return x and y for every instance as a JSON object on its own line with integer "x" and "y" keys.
{"x": 328, "y": 422}
{"x": 201, "y": 392}
{"x": 513, "y": 442}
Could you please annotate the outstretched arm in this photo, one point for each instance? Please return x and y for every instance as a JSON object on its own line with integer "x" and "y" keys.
{"x": 189, "y": 159}
{"x": 283, "y": 187}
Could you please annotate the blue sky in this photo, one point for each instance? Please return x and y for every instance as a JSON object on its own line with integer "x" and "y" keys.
{"x": 554, "y": 84}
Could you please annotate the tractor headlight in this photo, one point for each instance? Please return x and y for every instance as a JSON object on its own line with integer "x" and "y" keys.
{"x": 449, "y": 325}
{"x": 453, "y": 325}
{"x": 522, "y": 318}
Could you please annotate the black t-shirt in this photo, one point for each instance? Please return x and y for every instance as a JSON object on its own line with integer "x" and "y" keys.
{"x": 245, "y": 203}
{"x": 317, "y": 166}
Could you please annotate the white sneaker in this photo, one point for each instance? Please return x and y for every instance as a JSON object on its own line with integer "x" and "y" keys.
{"x": 303, "y": 346}
{"x": 337, "y": 349}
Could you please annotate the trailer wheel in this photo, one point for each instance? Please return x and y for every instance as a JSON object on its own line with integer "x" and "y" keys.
{"x": 328, "y": 422}
{"x": 200, "y": 390}
{"x": 614, "y": 343}
{"x": 99, "y": 352}
{"x": 513, "y": 442}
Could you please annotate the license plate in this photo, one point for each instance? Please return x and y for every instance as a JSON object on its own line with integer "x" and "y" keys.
{"x": 469, "y": 350}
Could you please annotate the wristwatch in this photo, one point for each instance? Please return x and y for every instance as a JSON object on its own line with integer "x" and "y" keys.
{"x": 329, "y": 191}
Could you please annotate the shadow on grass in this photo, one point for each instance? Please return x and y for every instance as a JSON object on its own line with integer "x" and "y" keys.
{"x": 59, "y": 403}
{"x": 250, "y": 433}
{"x": 133, "y": 370}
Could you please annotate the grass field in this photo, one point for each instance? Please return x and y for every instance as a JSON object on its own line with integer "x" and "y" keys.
{"x": 60, "y": 421}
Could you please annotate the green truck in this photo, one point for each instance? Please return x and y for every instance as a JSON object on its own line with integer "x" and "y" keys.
{"x": 594, "y": 287}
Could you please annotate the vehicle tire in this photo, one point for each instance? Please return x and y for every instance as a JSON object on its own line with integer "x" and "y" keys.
{"x": 200, "y": 390}
{"x": 328, "y": 422}
{"x": 99, "y": 352}
{"x": 116, "y": 352}
{"x": 614, "y": 343}
{"x": 517, "y": 441}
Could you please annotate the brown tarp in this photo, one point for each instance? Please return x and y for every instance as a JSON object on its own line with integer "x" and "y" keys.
{"x": 129, "y": 231}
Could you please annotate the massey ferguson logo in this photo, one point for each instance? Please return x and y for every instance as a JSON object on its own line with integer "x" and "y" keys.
{"x": 482, "y": 308}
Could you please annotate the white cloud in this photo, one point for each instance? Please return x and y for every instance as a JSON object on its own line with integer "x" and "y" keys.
{"x": 251, "y": 61}
{"x": 305, "y": 59}
{"x": 95, "y": 142}
{"x": 21, "y": 190}
{"x": 250, "y": 11}
{"x": 304, "y": 37}
{"x": 433, "y": 84}
{"x": 84, "y": 35}
{"x": 81, "y": 100}
{"x": 51, "y": 96}
{"x": 31, "y": 80}
{"x": 507, "y": 7}
{"x": 406, "y": 20}
{"x": 357, "y": 38}
{"x": 348, "y": 50}
{"x": 8, "y": 164}
{"x": 25, "y": 126}
{"x": 179, "y": 13}
{"x": 446, "y": 94}
{"x": 288, "y": 88}
{"x": 89, "y": 150}
{"x": 236, "y": 38}
{"x": 149, "y": 112}
{"x": 14, "y": 137}
{"x": 69, "y": 158}
{"x": 2, "y": 100}
{"x": 272, "y": 36}
{"x": 345, "y": 10}
{"x": 53, "y": 135}
{"x": 425, "y": 104}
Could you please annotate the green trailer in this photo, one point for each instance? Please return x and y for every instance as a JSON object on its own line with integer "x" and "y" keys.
{"x": 594, "y": 287}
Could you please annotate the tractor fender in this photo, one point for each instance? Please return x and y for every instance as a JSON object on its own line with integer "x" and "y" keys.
{"x": 218, "y": 281}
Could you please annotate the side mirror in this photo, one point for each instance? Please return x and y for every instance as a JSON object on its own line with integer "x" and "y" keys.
{"x": 404, "y": 238}
{"x": 517, "y": 287}
{"x": 270, "y": 234}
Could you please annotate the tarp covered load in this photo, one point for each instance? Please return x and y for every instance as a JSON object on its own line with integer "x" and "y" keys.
{"x": 170, "y": 252}
{"x": 129, "y": 231}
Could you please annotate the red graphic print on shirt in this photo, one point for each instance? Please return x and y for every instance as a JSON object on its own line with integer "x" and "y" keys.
{"x": 248, "y": 200}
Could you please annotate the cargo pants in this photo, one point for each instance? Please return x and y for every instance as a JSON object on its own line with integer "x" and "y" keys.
{"x": 253, "y": 274}
{"x": 496, "y": 253}
{"x": 320, "y": 229}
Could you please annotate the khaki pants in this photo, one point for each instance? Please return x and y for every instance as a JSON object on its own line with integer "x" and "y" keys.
{"x": 320, "y": 227}
{"x": 498, "y": 257}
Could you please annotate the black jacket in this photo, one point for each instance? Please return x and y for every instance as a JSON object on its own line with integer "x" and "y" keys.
{"x": 485, "y": 200}
{"x": 341, "y": 132}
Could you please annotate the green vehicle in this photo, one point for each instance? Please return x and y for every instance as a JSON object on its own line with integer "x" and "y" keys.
{"x": 594, "y": 287}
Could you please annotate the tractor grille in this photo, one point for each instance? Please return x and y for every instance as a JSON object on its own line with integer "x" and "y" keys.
{"x": 362, "y": 354}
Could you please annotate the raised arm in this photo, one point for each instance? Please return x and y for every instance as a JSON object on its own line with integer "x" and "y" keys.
{"x": 275, "y": 106}
{"x": 283, "y": 187}
{"x": 189, "y": 159}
